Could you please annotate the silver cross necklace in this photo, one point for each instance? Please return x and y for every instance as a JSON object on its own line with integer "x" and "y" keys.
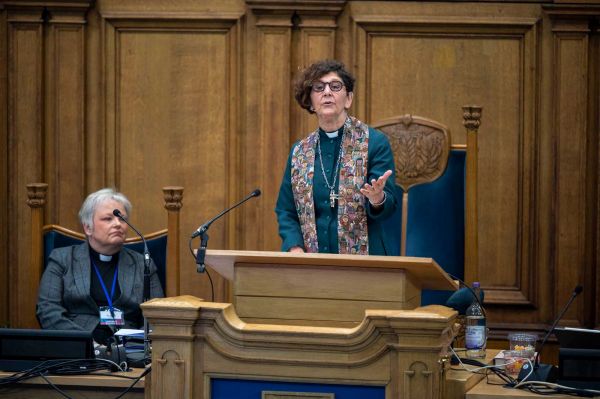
{"x": 332, "y": 195}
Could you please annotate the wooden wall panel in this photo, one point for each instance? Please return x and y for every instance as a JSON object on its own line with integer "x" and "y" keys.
{"x": 594, "y": 116}
{"x": 170, "y": 104}
{"x": 64, "y": 131}
{"x": 432, "y": 69}
{"x": 147, "y": 93}
{"x": 4, "y": 286}
{"x": 571, "y": 60}
{"x": 273, "y": 119}
{"x": 25, "y": 154}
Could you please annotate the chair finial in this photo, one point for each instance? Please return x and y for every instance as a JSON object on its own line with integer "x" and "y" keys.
{"x": 36, "y": 194}
{"x": 472, "y": 116}
{"x": 173, "y": 197}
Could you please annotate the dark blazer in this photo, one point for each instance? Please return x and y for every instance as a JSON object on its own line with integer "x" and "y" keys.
{"x": 64, "y": 301}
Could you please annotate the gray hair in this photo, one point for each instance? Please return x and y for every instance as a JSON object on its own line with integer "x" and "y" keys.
{"x": 88, "y": 209}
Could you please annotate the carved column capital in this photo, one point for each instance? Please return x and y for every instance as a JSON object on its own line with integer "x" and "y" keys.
{"x": 36, "y": 194}
{"x": 300, "y": 6}
{"x": 61, "y": 11}
{"x": 472, "y": 116}
{"x": 573, "y": 17}
{"x": 173, "y": 196}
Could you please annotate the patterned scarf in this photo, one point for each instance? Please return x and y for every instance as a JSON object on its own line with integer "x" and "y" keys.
{"x": 353, "y": 237}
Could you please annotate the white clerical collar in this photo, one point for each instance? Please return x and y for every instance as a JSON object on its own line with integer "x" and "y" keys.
{"x": 332, "y": 135}
{"x": 105, "y": 258}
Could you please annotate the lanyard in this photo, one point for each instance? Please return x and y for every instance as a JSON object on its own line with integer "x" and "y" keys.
{"x": 114, "y": 284}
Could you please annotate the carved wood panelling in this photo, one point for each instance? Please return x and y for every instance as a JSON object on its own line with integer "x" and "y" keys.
{"x": 64, "y": 131}
{"x": 406, "y": 65}
{"x": 4, "y": 197}
{"x": 171, "y": 119}
{"x": 25, "y": 152}
{"x": 571, "y": 132}
{"x": 147, "y": 93}
{"x": 594, "y": 117}
{"x": 269, "y": 128}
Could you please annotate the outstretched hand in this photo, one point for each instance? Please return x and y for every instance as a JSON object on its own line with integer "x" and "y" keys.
{"x": 374, "y": 191}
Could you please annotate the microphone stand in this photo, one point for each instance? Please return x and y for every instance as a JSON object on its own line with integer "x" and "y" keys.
{"x": 146, "y": 294}
{"x": 540, "y": 371}
{"x": 201, "y": 253}
{"x": 201, "y": 231}
{"x": 145, "y": 298}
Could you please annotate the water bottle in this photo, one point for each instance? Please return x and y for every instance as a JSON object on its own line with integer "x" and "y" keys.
{"x": 475, "y": 329}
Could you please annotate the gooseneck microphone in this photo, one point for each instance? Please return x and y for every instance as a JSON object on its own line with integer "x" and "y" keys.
{"x": 201, "y": 231}
{"x": 206, "y": 225}
{"x": 546, "y": 372}
{"x": 574, "y": 294}
{"x": 146, "y": 295}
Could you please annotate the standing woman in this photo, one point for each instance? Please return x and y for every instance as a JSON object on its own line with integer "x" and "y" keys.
{"x": 336, "y": 189}
{"x": 98, "y": 285}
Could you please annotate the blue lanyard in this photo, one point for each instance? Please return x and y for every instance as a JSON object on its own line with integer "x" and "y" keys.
{"x": 114, "y": 284}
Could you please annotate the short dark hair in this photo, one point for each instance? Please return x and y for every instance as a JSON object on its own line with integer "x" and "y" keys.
{"x": 305, "y": 79}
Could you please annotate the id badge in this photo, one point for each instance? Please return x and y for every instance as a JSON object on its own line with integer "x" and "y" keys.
{"x": 107, "y": 319}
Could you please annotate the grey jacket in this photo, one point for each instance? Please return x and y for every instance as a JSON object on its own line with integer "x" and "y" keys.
{"x": 64, "y": 301}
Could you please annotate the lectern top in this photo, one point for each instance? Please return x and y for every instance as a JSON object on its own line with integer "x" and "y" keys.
{"x": 424, "y": 270}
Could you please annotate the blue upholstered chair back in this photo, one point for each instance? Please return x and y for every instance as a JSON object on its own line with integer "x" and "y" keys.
{"x": 436, "y": 223}
{"x": 433, "y": 176}
{"x": 58, "y": 237}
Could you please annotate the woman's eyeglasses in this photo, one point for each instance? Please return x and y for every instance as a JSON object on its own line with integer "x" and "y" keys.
{"x": 334, "y": 85}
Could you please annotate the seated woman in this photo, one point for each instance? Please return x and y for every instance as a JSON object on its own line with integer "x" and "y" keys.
{"x": 98, "y": 285}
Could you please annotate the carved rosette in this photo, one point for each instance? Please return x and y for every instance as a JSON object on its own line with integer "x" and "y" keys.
{"x": 173, "y": 196}
{"x": 36, "y": 194}
{"x": 420, "y": 151}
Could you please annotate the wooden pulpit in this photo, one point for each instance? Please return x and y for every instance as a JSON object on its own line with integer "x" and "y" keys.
{"x": 323, "y": 289}
{"x": 305, "y": 326}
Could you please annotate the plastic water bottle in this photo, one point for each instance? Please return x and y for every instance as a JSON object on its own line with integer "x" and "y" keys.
{"x": 475, "y": 329}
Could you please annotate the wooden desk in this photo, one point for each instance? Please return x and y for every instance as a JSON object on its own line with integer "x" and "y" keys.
{"x": 80, "y": 386}
{"x": 459, "y": 382}
{"x": 483, "y": 390}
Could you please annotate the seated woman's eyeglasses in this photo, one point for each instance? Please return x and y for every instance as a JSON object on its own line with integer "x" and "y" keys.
{"x": 334, "y": 85}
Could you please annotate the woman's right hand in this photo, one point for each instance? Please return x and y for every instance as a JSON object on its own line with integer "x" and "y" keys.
{"x": 297, "y": 250}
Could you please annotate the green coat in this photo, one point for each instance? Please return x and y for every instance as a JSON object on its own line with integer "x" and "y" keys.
{"x": 380, "y": 159}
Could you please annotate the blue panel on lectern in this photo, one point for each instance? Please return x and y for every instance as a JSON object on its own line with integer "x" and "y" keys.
{"x": 222, "y": 388}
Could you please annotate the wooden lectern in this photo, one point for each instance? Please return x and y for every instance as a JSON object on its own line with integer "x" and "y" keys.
{"x": 305, "y": 326}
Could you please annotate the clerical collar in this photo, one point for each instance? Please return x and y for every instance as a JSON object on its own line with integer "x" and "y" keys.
{"x": 333, "y": 134}
{"x": 104, "y": 259}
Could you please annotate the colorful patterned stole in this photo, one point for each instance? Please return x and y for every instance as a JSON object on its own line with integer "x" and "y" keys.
{"x": 353, "y": 237}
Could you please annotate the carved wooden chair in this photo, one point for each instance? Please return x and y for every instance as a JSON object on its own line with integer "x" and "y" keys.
{"x": 163, "y": 245}
{"x": 439, "y": 220}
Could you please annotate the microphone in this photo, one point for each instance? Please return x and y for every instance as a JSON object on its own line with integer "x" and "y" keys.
{"x": 118, "y": 214}
{"x": 202, "y": 229}
{"x": 463, "y": 298}
{"x": 546, "y": 372}
{"x": 146, "y": 295}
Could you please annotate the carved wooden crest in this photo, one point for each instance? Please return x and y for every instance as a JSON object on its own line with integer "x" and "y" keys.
{"x": 420, "y": 146}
